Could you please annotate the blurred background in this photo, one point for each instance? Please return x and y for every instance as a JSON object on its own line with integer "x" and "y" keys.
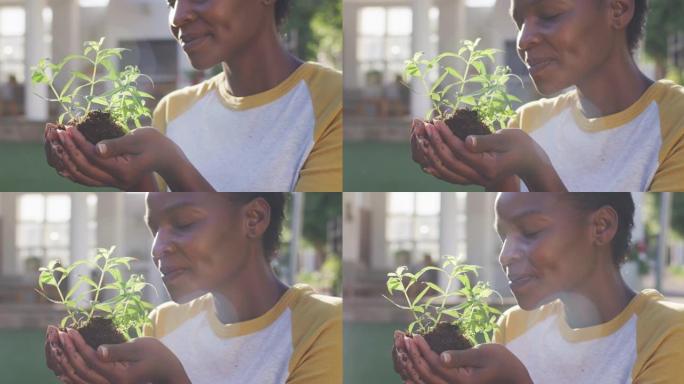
{"x": 380, "y": 36}
{"x": 385, "y": 230}
{"x": 36, "y": 228}
{"x": 34, "y": 29}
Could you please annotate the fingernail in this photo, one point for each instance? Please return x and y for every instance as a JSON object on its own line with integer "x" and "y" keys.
{"x": 101, "y": 148}
{"x": 103, "y": 351}
{"x": 446, "y": 358}
{"x": 472, "y": 140}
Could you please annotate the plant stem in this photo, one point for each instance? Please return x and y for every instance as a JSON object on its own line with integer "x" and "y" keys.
{"x": 420, "y": 323}
{"x": 92, "y": 82}
{"x": 441, "y": 307}
{"x": 59, "y": 100}
{"x": 61, "y": 297}
{"x": 98, "y": 289}
{"x": 465, "y": 76}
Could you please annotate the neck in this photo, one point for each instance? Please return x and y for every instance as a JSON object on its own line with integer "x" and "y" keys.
{"x": 600, "y": 298}
{"x": 255, "y": 291}
{"x": 612, "y": 88}
{"x": 261, "y": 65}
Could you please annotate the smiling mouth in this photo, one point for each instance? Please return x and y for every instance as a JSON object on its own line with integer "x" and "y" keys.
{"x": 538, "y": 66}
{"x": 171, "y": 275}
{"x": 192, "y": 43}
{"x": 519, "y": 281}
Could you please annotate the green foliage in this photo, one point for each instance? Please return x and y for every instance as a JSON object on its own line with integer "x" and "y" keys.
{"x": 127, "y": 309}
{"x": 124, "y": 101}
{"x": 314, "y": 28}
{"x": 473, "y": 315}
{"x": 489, "y": 98}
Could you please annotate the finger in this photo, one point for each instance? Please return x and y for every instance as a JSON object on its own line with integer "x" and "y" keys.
{"x": 80, "y": 161}
{"x": 124, "y": 145}
{"x": 482, "y": 163}
{"x": 461, "y": 359}
{"x": 447, "y": 148}
{"x": 129, "y": 351}
{"x": 79, "y": 368}
{"x": 497, "y": 142}
{"x": 52, "y": 350}
{"x": 431, "y": 358}
{"x": 72, "y": 171}
{"x": 68, "y": 370}
{"x": 420, "y": 364}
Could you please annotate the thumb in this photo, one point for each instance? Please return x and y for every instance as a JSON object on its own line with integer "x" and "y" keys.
{"x": 128, "y": 351}
{"x": 486, "y": 143}
{"x": 116, "y": 147}
{"x": 461, "y": 359}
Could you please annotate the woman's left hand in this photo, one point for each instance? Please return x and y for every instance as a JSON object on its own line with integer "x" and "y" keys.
{"x": 485, "y": 363}
{"x": 141, "y": 360}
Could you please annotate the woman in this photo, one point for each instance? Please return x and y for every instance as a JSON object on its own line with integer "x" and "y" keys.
{"x": 231, "y": 320}
{"x": 618, "y": 131}
{"x": 268, "y": 122}
{"x": 576, "y": 320}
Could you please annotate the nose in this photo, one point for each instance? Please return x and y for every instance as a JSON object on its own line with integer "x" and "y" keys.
{"x": 181, "y": 15}
{"x": 528, "y": 37}
{"x": 511, "y": 252}
{"x": 162, "y": 245}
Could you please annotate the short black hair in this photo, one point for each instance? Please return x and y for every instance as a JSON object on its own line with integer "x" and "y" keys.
{"x": 276, "y": 201}
{"x": 623, "y": 204}
{"x": 635, "y": 29}
{"x": 282, "y": 7}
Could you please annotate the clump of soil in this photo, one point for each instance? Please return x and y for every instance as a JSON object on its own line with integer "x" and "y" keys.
{"x": 100, "y": 331}
{"x": 447, "y": 337}
{"x": 97, "y": 126}
{"x": 466, "y": 122}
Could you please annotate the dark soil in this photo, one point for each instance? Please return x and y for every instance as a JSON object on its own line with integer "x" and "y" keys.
{"x": 466, "y": 122}
{"x": 447, "y": 337}
{"x": 97, "y": 126}
{"x": 100, "y": 331}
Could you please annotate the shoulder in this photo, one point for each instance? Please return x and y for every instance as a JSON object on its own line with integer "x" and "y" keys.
{"x": 177, "y": 102}
{"x": 313, "y": 307}
{"x": 516, "y": 321}
{"x": 168, "y": 316}
{"x": 533, "y": 115}
{"x": 325, "y": 86}
{"x": 320, "y": 74}
{"x": 659, "y": 317}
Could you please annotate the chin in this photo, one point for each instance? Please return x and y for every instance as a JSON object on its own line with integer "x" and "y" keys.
{"x": 549, "y": 87}
{"x": 183, "y": 296}
{"x": 530, "y": 302}
{"x": 202, "y": 63}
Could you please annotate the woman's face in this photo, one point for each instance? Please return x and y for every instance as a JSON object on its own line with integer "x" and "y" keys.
{"x": 547, "y": 246}
{"x": 216, "y": 31}
{"x": 563, "y": 42}
{"x": 199, "y": 241}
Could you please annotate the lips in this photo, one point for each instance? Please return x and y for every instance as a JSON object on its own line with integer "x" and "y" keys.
{"x": 192, "y": 41}
{"x": 518, "y": 281}
{"x": 536, "y": 65}
{"x": 171, "y": 273}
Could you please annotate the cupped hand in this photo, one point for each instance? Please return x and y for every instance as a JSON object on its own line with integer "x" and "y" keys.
{"x": 141, "y": 360}
{"x": 482, "y": 364}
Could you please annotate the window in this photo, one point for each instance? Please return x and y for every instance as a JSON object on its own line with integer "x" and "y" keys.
{"x": 384, "y": 42}
{"x": 12, "y": 37}
{"x": 412, "y": 227}
{"x": 43, "y": 228}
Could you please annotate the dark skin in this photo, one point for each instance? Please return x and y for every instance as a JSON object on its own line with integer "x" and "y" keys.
{"x": 551, "y": 251}
{"x": 202, "y": 243}
{"x": 240, "y": 35}
{"x": 564, "y": 43}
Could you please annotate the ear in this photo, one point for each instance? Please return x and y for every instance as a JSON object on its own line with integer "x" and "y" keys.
{"x": 257, "y": 215}
{"x": 604, "y": 225}
{"x": 621, "y": 13}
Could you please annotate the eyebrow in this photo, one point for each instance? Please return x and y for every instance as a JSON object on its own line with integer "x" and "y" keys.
{"x": 168, "y": 210}
{"x": 518, "y": 216}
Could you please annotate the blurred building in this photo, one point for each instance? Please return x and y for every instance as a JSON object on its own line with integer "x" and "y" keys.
{"x": 36, "y": 228}
{"x": 34, "y": 29}
{"x": 385, "y": 230}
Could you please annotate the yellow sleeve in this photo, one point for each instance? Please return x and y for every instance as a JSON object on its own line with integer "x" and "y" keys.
{"x": 666, "y": 365}
{"x": 660, "y": 344}
{"x": 317, "y": 341}
{"x": 322, "y": 171}
{"x": 670, "y": 174}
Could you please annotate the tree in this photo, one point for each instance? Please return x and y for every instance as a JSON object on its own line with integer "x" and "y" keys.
{"x": 664, "y": 20}
{"x": 314, "y": 30}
